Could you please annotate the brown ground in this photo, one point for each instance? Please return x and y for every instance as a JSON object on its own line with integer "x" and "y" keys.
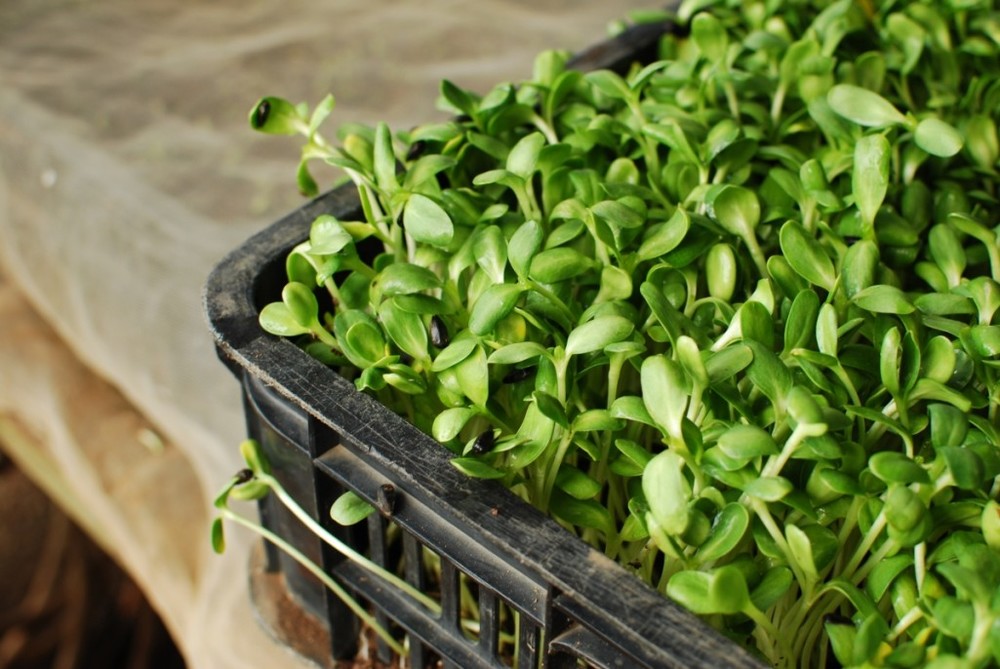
{"x": 64, "y": 603}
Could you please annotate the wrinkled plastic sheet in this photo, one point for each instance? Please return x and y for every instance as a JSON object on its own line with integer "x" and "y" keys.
{"x": 127, "y": 170}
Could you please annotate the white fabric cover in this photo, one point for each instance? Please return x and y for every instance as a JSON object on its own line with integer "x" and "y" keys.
{"x": 127, "y": 170}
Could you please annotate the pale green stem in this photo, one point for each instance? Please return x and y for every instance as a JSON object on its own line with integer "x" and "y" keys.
{"x": 813, "y": 631}
{"x": 777, "y": 102}
{"x": 553, "y": 298}
{"x": 911, "y": 617}
{"x": 341, "y": 547}
{"x": 561, "y": 363}
{"x": 526, "y": 200}
{"x": 649, "y": 152}
{"x": 553, "y": 468}
{"x": 324, "y": 335}
{"x": 331, "y": 287}
{"x": 772, "y": 635}
{"x": 720, "y": 175}
{"x": 776, "y": 463}
{"x": 887, "y": 547}
{"x": 599, "y": 248}
{"x": 993, "y": 250}
{"x": 733, "y": 99}
{"x": 316, "y": 571}
{"x": 979, "y": 646}
{"x": 545, "y": 128}
{"x": 756, "y": 253}
{"x": 850, "y": 521}
{"x": 865, "y": 545}
{"x": 772, "y": 528}
{"x": 920, "y": 565}
{"x": 694, "y": 404}
{"x": 845, "y": 381}
{"x": 614, "y": 374}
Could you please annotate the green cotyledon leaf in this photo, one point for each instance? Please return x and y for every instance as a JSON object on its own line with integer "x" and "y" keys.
{"x": 427, "y": 221}
{"x": 277, "y": 116}
{"x": 218, "y": 536}
{"x": 598, "y": 333}
{"x": 728, "y": 529}
{"x": 350, "y": 509}
{"x": 495, "y": 303}
{"x": 473, "y": 376}
{"x": 450, "y": 422}
{"x": 863, "y": 106}
{"x": 870, "y": 178}
{"x": 723, "y": 590}
{"x": 277, "y": 319}
{"x": 667, "y": 491}
{"x": 665, "y": 393}
{"x": 938, "y": 138}
{"x": 523, "y": 157}
{"x": 405, "y": 329}
{"x": 476, "y": 468}
{"x": 490, "y": 248}
{"x": 806, "y": 256}
{"x": 301, "y": 303}
{"x": 360, "y": 337}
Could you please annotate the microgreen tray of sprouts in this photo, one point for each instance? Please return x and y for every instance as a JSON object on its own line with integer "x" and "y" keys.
{"x": 730, "y": 317}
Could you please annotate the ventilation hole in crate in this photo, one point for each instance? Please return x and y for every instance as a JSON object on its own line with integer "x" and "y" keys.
{"x": 467, "y": 609}
{"x": 433, "y": 579}
{"x": 506, "y": 634}
{"x": 485, "y": 619}
{"x": 468, "y": 606}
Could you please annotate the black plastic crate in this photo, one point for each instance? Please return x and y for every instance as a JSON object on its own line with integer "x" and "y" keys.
{"x": 322, "y": 436}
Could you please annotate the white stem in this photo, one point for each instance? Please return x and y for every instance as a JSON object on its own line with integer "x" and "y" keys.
{"x": 345, "y": 550}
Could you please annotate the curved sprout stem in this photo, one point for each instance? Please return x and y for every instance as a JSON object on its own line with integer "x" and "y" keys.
{"x": 341, "y": 547}
{"x": 318, "y": 572}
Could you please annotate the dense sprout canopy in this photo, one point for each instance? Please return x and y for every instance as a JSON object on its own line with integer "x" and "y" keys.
{"x": 729, "y": 316}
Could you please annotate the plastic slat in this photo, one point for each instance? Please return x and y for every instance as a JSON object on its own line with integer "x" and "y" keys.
{"x": 489, "y": 622}
{"x": 449, "y": 594}
{"x": 528, "y": 638}
{"x": 414, "y": 560}
{"x": 378, "y": 555}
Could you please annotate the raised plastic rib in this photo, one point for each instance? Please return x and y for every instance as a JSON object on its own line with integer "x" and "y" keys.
{"x": 578, "y": 643}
